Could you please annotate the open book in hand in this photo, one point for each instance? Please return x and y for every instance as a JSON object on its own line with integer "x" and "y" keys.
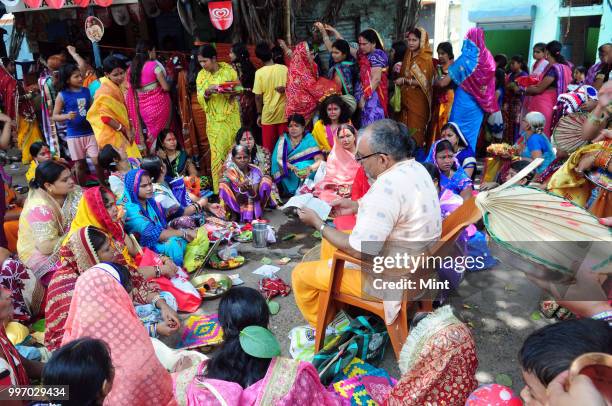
{"x": 308, "y": 200}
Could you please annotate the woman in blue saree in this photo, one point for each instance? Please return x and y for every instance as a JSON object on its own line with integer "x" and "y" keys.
{"x": 295, "y": 157}
{"x": 147, "y": 220}
{"x": 474, "y": 74}
{"x": 452, "y": 175}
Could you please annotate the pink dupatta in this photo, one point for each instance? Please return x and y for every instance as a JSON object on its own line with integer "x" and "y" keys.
{"x": 101, "y": 308}
{"x": 481, "y": 83}
{"x": 340, "y": 174}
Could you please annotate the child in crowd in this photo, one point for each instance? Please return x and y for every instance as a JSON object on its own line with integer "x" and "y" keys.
{"x": 515, "y": 167}
{"x": 117, "y": 163}
{"x": 40, "y": 153}
{"x": 71, "y": 106}
{"x": 549, "y": 351}
{"x": 85, "y": 366}
{"x": 579, "y": 77}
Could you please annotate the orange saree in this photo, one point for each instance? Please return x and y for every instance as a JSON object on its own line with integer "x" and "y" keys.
{"x": 416, "y": 99}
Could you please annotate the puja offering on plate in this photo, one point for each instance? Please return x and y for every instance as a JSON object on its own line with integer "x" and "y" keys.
{"x": 217, "y": 263}
{"x": 503, "y": 150}
{"x": 601, "y": 178}
{"x": 229, "y": 87}
{"x": 211, "y": 286}
{"x": 245, "y": 236}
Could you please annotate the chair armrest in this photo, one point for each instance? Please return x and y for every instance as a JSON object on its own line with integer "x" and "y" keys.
{"x": 348, "y": 258}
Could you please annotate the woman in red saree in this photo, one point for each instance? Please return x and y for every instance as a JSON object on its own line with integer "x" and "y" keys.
{"x": 305, "y": 89}
{"x": 555, "y": 79}
{"x": 18, "y": 106}
{"x": 19, "y": 369}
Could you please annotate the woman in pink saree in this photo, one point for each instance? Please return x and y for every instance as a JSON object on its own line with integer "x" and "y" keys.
{"x": 554, "y": 81}
{"x": 101, "y": 308}
{"x": 147, "y": 98}
{"x": 341, "y": 166}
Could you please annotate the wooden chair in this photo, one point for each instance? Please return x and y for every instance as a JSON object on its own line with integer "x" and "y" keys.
{"x": 332, "y": 299}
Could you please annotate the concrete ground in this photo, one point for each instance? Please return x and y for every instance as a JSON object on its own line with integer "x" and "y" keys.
{"x": 497, "y": 304}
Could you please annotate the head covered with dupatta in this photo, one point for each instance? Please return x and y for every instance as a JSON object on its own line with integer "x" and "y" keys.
{"x": 132, "y": 185}
{"x": 478, "y": 64}
{"x": 92, "y": 212}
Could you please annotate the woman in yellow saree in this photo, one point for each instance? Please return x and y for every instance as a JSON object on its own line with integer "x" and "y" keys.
{"x": 416, "y": 79}
{"x": 221, "y": 108}
{"x": 570, "y": 181}
{"x": 108, "y": 114}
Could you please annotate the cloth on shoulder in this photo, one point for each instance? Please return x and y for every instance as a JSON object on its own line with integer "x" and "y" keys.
{"x": 438, "y": 362}
{"x": 101, "y": 308}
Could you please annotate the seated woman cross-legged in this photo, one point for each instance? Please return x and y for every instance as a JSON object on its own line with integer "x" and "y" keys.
{"x": 244, "y": 188}
{"x": 259, "y": 156}
{"x": 166, "y": 198}
{"x": 98, "y": 209}
{"x": 341, "y": 167}
{"x": 296, "y": 156}
{"x": 147, "y": 220}
{"x": 46, "y": 217}
{"x": 533, "y": 143}
{"x": 452, "y": 175}
{"x": 85, "y": 248}
{"x": 463, "y": 153}
{"x": 101, "y": 308}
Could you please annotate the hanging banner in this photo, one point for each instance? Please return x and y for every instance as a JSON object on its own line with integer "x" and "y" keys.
{"x": 29, "y": 3}
{"x": 13, "y": 6}
{"x": 56, "y": 4}
{"x": 221, "y": 14}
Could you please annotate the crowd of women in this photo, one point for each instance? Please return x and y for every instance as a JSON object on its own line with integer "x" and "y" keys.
{"x": 117, "y": 169}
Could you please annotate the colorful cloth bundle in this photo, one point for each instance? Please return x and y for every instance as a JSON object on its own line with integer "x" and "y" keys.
{"x": 362, "y": 384}
{"x": 201, "y": 331}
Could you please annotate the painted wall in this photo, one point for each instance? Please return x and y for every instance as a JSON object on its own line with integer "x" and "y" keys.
{"x": 546, "y": 24}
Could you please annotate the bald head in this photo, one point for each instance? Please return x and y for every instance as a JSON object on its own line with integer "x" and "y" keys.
{"x": 390, "y": 138}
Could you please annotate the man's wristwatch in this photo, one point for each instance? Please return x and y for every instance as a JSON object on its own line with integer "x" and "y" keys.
{"x": 322, "y": 227}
